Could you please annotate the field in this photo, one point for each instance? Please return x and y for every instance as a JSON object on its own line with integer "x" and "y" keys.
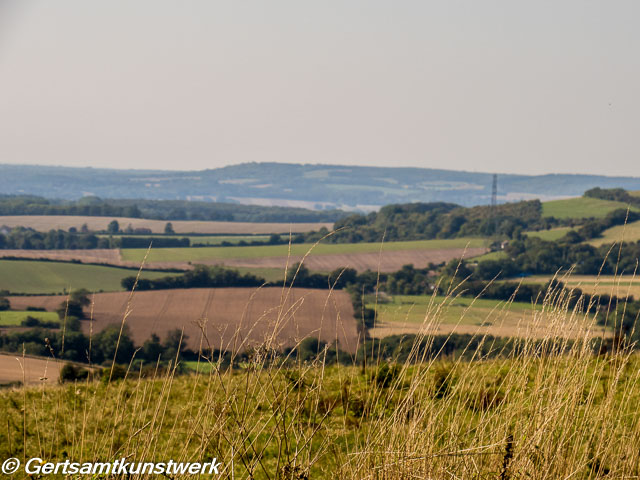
{"x": 64, "y": 222}
{"x": 627, "y": 233}
{"x": 29, "y": 370}
{"x": 12, "y": 318}
{"x": 26, "y": 276}
{"x": 262, "y": 251}
{"x": 498, "y": 255}
{"x": 324, "y": 257}
{"x": 581, "y": 207}
{"x": 550, "y": 235}
{"x": 235, "y": 317}
{"x": 620, "y": 286}
{"x": 413, "y": 314}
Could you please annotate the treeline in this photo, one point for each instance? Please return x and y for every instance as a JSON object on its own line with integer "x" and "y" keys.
{"x": 21, "y": 238}
{"x": 101, "y": 348}
{"x": 530, "y": 256}
{"x": 613, "y": 194}
{"x": 201, "y": 276}
{"x": 109, "y": 344}
{"x": 161, "y": 210}
{"x": 593, "y": 228}
{"x": 419, "y": 221}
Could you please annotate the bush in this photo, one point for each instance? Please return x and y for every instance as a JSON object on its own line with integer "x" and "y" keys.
{"x": 36, "y": 322}
{"x": 71, "y": 373}
{"x": 385, "y": 374}
{"x": 119, "y": 373}
{"x": 4, "y": 304}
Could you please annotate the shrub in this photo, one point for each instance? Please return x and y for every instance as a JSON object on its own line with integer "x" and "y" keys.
{"x": 70, "y": 373}
{"x": 118, "y": 372}
{"x": 4, "y": 304}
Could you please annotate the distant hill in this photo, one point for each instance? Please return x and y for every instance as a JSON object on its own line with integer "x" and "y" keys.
{"x": 297, "y": 185}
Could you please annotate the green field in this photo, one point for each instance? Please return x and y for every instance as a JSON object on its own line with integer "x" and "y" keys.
{"x": 412, "y": 309}
{"x": 581, "y": 207}
{"x": 628, "y": 233}
{"x": 499, "y": 255}
{"x": 18, "y": 276}
{"x": 550, "y": 235}
{"x": 13, "y": 318}
{"x": 196, "y": 254}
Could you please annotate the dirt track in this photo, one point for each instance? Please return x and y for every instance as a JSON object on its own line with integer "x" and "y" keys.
{"x": 64, "y": 222}
{"x": 235, "y": 317}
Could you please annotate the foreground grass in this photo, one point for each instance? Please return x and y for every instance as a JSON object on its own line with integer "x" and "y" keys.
{"x": 567, "y": 416}
{"x": 21, "y": 276}
{"x": 195, "y": 254}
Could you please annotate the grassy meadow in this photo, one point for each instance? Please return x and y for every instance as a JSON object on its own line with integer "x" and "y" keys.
{"x": 408, "y": 314}
{"x": 550, "y": 235}
{"x": 628, "y": 233}
{"x": 465, "y": 310}
{"x": 12, "y": 318}
{"x": 580, "y": 207}
{"x": 195, "y": 254}
{"x": 20, "y": 276}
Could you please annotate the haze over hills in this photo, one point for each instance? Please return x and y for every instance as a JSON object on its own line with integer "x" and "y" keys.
{"x": 301, "y": 185}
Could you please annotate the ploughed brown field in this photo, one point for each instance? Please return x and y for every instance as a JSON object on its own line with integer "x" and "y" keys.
{"x": 231, "y": 318}
{"x": 64, "y": 222}
{"x": 30, "y": 370}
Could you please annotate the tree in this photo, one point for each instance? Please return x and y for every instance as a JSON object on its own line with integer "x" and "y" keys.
{"x": 168, "y": 229}
{"x": 73, "y": 307}
{"x": 4, "y": 304}
{"x": 113, "y": 227}
{"x": 173, "y": 344}
{"x": 152, "y": 348}
{"x": 106, "y": 341}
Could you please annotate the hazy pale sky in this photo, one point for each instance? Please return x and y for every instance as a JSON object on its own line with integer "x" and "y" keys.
{"x": 507, "y": 86}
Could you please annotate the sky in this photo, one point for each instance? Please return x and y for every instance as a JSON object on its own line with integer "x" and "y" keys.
{"x": 497, "y": 86}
